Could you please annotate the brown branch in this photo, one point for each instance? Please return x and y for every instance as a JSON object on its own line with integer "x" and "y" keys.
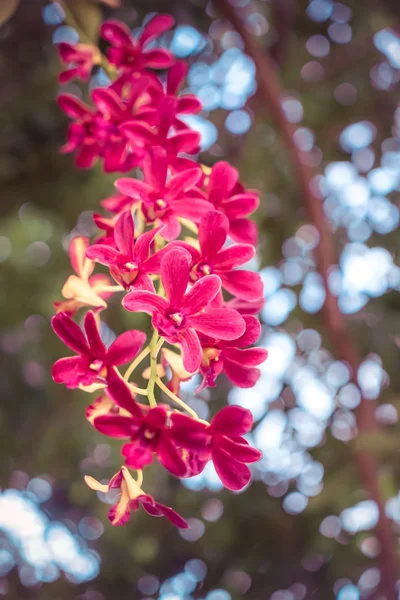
{"x": 270, "y": 88}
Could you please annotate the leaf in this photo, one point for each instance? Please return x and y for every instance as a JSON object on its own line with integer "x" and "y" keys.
{"x": 7, "y": 9}
{"x": 87, "y": 16}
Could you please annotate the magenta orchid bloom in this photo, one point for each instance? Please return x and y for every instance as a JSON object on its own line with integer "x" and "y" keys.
{"x": 230, "y": 197}
{"x": 164, "y": 200}
{"x": 93, "y": 360}
{"x": 213, "y": 258}
{"x": 131, "y": 498}
{"x": 80, "y": 59}
{"x": 181, "y": 316}
{"x": 96, "y": 131}
{"x": 132, "y": 55}
{"x": 145, "y": 427}
{"x": 129, "y": 261}
{"x": 234, "y": 358}
{"x": 221, "y": 441}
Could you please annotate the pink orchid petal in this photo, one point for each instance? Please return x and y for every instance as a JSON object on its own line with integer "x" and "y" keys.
{"x": 251, "y": 357}
{"x": 241, "y": 205}
{"x": 191, "y": 350}
{"x": 184, "y": 141}
{"x": 191, "y": 208}
{"x": 170, "y": 458}
{"x": 244, "y": 284}
{"x": 134, "y": 188}
{"x": 243, "y": 230}
{"x": 189, "y": 104}
{"x": 252, "y": 333}
{"x": 234, "y": 256}
{"x": 232, "y": 421}
{"x": 143, "y": 282}
{"x": 120, "y": 392}
{"x": 116, "y": 33}
{"x": 125, "y": 347}
{"x": 73, "y": 107}
{"x": 96, "y": 344}
{"x": 69, "y": 370}
{"x": 116, "y": 426}
{"x": 142, "y": 245}
{"x": 213, "y": 230}
{"x": 223, "y": 179}
{"x": 233, "y": 474}
{"x": 241, "y": 375}
{"x": 155, "y": 27}
{"x": 103, "y": 254}
{"x": 155, "y": 167}
{"x": 219, "y": 323}
{"x": 172, "y": 516}
{"x": 107, "y": 102}
{"x": 159, "y": 58}
{"x": 136, "y": 457}
{"x": 176, "y": 76}
{"x": 124, "y": 233}
{"x": 87, "y": 155}
{"x": 201, "y": 294}
{"x": 240, "y": 450}
{"x": 175, "y": 275}
{"x": 70, "y": 333}
{"x": 142, "y": 301}
{"x": 182, "y": 182}
{"x": 189, "y": 433}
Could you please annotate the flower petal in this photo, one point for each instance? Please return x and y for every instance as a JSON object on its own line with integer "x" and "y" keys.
{"x": 142, "y": 301}
{"x": 70, "y": 333}
{"x": 223, "y": 179}
{"x": 233, "y": 474}
{"x": 77, "y": 254}
{"x": 158, "y": 58}
{"x": 240, "y": 450}
{"x": 134, "y": 188}
{"x": 213, "y": 230}
{"x": 243, "y": 230}
{"x": 201, "y": 294}
{"x": 73, "y": 107}
{"x": 119, "y": 390}
{"x": 188, "y": 433}
{"x": 103, "y": 254}
{"x": 175, "y": 275}
{"x": 69, "y": 370}
{"x": 125, "y": 347}
{"x": 219, "y": 323}
{"x": 241, "y": 375}
{"x": 116, "y": 426}
{"x": 124, "y": 233}
{"x": 136, "y": 456}
{"x": 116, "y": 33}
{"x": 191, "y": 350}
{"x": 96, "y": 344}
{"x": 170, "y": 458}
{"x": 234, "y": 256}
{"x": 171, "y": 515}
{"x": 155, "y": 27}
{"x": 243, "y": 284}
{"x": 232, "y": 421}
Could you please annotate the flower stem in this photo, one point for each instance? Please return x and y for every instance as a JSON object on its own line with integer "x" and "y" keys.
{"x": 136, "y": 362}
{"x": 154, "y": 346}
{"x": 177, "y": 400}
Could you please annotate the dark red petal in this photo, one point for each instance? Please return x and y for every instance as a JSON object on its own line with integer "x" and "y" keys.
{"x": 124, "y": 233}
{"x": 96, "y": 344}
{"x": 219, "y": 323}
{"x": 201, "y": 294}
{"x": 170, "y": 458}
{"x": 107, "y": 102}
{"x": 251, "y": 357}
{"x": 120, "y": 392}
{"x": 87, "y": 155}
{"x": 116, "y": 426}
{"x": 243, "y": 284}
{"x": 191, "y": 350}
{"x": 142, "y": 301}
{"x": 175, "y": 275}
{"x": 123, "y": 519}
{"x": 157, "y": 417}
{"x": 233, "y": 474}
{"x": 189, "y": 433}
{"x": 125, "y": 347}
{"x": 116, "y": 33}
{"x": 232, "y": 421}
{"x": 70, "y": 333}
{"x": 213, "y": 230}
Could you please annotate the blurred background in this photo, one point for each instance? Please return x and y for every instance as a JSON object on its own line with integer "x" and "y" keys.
{"x": 308, "y": 526}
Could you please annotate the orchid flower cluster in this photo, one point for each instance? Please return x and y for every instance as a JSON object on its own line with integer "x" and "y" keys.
{"x": 202, "y": 307}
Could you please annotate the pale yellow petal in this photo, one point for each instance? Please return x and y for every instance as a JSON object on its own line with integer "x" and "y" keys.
{"x": 95, "y": 485}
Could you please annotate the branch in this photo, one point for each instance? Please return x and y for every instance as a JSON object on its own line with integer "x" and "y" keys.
{"x": 270, "y": 88}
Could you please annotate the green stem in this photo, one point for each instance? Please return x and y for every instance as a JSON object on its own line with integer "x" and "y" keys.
{"x": 136, "y": 362}
{"x": 155, "y": 346}
{"x": 177, "y": 400}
